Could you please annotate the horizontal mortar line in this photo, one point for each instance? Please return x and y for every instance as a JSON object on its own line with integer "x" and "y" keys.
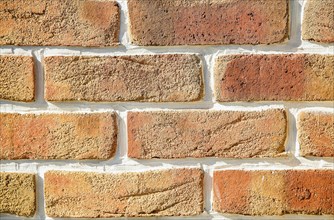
{"x": 124, "y": 106}
{"x": 259, "y": 163}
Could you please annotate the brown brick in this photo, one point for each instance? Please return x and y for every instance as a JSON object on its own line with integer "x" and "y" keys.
{"x": 201, "y": 22}
{"x": 58, "y": 136}
{"x": 147, "y": 78}
{"x": 17, "y": 193}
{"x": 175, "y": 192}
{"x": 59, "y": 22}
{"x": 17, "y": 78}
{"x": 274, "y": 192}
{"x": 180, "y": 134}
{"x": 316, "y": 134}
{"x": 318, "y": 21}
{"x": 288, "y": 77}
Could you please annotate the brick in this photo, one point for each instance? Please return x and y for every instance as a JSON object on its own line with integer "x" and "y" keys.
{"x": 59, "y": 22}
{"x": 284, "y": 77}
{"x": 316, "y": 134}
{"x": 58, "y": 136}
{"x": 199, "y": 22}
{"x": 18, "y": 194}
{"x": 180, "y": 134}
{"x": 273, "y": 192}
{"x": 318, "y": 21}
{"x": 146, "y": 78}
{"x": 175, "y": 192}
{"x": 17, "y": 78}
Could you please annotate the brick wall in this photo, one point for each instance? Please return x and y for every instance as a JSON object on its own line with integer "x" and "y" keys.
{"x": 194, "y": 109}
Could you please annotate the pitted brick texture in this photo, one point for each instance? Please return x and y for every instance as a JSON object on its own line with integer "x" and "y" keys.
{"x": 316, "y": 134}
{"x": 17, "y": 78}
{"x": 176, "y": 192}
{"x": 58, "y": 136}
{"x": 293, "y": 77}
{"x": 273, "y": 192}
{"x": 17, "y": 194}
{"x": 147, "y": 78}
{"x": 180, "y": 134}
{"x": 318, "y": 21}
{"x": 59, "y": 22}
{"x": 201, "y": 22}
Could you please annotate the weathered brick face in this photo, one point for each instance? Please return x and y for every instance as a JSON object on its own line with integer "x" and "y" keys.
{"x": 273, "y": 192}
{"x": 316, "y": 134}
{"x": 180, "y": 134}
{"x": 17, "y": 78}
{"x": 318, "y": 21}
{"x": 200, "y": 22}
{"x": 175, "y": 192}
{"x": 58, "y": 136}
{"x": 59, "y": 22}
{"x": 158, "y": 78}
{"x": 293, "y": 77}
{"x": 18, "y": 194}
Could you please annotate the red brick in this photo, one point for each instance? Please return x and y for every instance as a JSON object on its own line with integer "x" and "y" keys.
{"x": 273, "y": 192}
{"x": 58, "y": 136}
{"x": 17, "y": 78}
{"x": 59, "y": 22}
{"x": 318, "y": 21}
{"x": 145, "y": 78}
{"x": 180, "y": 134}
{"x": 199, "y": 22}
{"x": 316, "y": 134}
{"x": 176, "y": 192}
{"x": 284, "y": 77}
{"x": 18, "y": 194}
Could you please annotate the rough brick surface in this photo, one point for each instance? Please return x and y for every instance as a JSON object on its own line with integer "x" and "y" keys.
{"x": 180, "y": 134}
{"x": 316, "y": 134}
{"x": 59, "y": 22}
{"x": 17, "y": 193}
{"x": 274, "y": 192}
{"x": 318, "y": 21}
{"x": 155, "y": 193}
{"x": 58, "y": 136}
{"x": 293, "y": 77}
{"x": 150, "y": 78}
{"x": 17, "y": 78}
{"x": 182, "y": 22}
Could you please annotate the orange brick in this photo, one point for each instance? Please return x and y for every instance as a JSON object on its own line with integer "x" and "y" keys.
{"x": 273, "y": 192}
{"x": 59, "y": 22}
{"x": 176, "y": 192}
{"x": 201, "y": 22}
{"x": 180, "y": 134}
{"x": 17, "y": 78}
{"x": 58, "y": 136}
{"x": 293, "y": 77}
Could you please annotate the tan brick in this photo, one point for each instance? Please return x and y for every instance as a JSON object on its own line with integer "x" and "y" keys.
{"x": 146, "y": 78}
{"x": 17, "y": 78}
{"x": 17, "y": 193}
{"x": 284, "y": 77}
{"x": 316, "y": 134}
{"x": 180, "y": 134}
{"x": 273, "y": 192}
{"x": 201, "y": 22}
{"x": 318, "y": 21}
{"x": 59, "y": 22}
{"x": 176, "y": 192}
{"x": 58, "y": 136}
